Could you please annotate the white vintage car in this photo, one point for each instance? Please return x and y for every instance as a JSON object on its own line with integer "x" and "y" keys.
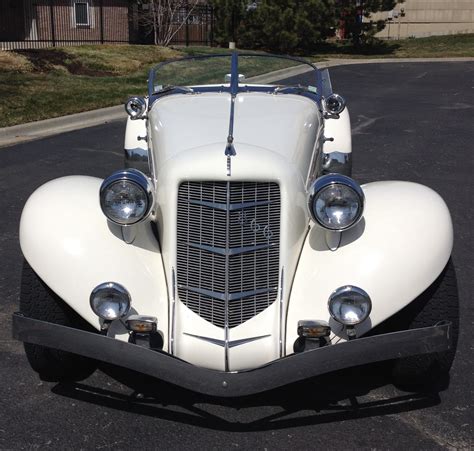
{"x": 235, "y": 253}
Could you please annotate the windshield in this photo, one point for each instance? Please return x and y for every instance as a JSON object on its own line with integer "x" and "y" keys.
{"x": 234, "y": 71}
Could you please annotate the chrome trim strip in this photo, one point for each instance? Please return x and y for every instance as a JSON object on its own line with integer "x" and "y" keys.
{"x": 230, "y": 344}
{"x": 214, "y": 205}
{"x": 212, "y": 294}
{"x": 234, "y": 89}
{"x": 281, "y": 313}
{"x": 229, "y": 206}
{"x": 173, "y": 310}
{"x": 232, "y": 250}
{"x": 246, "y": 294}
{"x": 230, "y": 297}
{"x": 227, "y": 267}
{"x": 243, "y": 205}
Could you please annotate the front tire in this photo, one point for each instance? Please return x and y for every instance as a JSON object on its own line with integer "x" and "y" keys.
{"x": 438, "y": 303}
{"x": 39, "y": 302}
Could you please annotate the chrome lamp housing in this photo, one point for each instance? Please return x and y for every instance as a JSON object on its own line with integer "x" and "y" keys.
{"x": 336, "y": 202}
{"x": 136, "y": 107}
{"x": 110, "y": 301}
{"x": 126, "y": 197}
{"x": 349, "y": 305}
{"x": 334, "y": 104}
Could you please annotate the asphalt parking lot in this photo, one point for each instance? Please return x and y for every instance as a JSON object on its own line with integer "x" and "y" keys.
{"x": 410, "y": 122}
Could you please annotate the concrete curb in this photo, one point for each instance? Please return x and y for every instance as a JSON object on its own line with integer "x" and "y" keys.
{"x": 41, "y": 129}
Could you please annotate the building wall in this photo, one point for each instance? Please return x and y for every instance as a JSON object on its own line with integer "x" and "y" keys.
{"x": 115, "y": 21}
{"x": 30, "y": 20}
{"x": 428, "y": 18}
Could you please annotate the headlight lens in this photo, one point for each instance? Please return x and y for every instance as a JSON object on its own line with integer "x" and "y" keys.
{"x": 336, "y": 202}
{"x": 126, "y": 197}
{"x": 349, "y": 305}
{"x": 110, "y": 301}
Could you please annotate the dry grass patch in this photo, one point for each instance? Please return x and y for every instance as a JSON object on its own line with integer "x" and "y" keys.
{"x": 119, "y": 59}
{"x": 13, "y": 62}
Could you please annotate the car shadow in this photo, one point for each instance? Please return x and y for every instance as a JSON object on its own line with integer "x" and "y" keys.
{"x": 334, "y": 397}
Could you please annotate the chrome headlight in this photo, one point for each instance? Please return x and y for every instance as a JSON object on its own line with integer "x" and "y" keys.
{"x": 336, "y": 202}
{"x": 110, "y": 301}
{"x": 349, "y": 305}
{"x": 126, "y": 197}
{"x": 136, "y": 107}
{"x": 334, "y": 104}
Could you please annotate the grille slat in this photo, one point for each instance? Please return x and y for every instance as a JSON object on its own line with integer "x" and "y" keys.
{"x": 248, "y": 245}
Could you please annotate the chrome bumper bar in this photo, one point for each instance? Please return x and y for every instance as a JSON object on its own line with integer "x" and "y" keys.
{"x": 293, "y": 368}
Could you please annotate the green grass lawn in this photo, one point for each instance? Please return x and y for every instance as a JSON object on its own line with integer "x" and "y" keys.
{"x": 460, "y": 45}
{"x": 44, "y": 83}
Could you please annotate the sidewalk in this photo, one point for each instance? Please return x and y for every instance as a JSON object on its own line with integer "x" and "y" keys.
{"x": 41, "y": 129}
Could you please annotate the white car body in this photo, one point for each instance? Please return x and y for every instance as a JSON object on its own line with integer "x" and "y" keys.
{"x": 394, "y": 253}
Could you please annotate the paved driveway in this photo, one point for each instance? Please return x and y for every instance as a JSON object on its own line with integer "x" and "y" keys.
{"x": 410, "y": 122}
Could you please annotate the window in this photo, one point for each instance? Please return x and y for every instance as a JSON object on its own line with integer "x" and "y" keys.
{"x": 81, "y": 14}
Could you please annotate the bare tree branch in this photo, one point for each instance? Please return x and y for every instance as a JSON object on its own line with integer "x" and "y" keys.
{"x": 165, "y": 18}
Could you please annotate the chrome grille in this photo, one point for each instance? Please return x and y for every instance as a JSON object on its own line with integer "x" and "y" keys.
{"x": 228, "y": 249}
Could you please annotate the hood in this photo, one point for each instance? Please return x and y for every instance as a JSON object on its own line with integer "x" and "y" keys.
{"x": 285, "y": 124}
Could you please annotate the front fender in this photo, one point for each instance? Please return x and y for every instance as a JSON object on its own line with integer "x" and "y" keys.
{"x": 397, "y": 251}
{"x": 72, "y": 247}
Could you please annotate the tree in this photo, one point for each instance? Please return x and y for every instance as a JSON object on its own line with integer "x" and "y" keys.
{"x": 164, "y": 18}
{"x": 278, "y": 25}
{"x": 229, "y": 20}
{"x": 352, "y": 13}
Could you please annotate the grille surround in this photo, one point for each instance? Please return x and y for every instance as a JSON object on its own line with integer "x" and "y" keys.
{"x": 228, "y": 249}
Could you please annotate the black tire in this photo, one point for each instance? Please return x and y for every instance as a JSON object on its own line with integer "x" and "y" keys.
{"x": 438, "y": 303}
{"x": 39, "y": 302}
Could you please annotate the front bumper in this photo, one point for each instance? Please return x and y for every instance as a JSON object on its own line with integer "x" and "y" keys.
{"x": 293, "y": 368}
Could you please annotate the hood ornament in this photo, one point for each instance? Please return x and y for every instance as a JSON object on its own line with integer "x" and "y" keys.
{"x": 230, "y": 152}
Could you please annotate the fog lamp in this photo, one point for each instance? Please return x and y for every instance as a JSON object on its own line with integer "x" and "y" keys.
{"x": 126, "y": 197}
{"x": 349, "y": 305}
{"x": 110, "y": 301}
{"x": 313, "y": 329}
{"x": 142, "y": 324}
